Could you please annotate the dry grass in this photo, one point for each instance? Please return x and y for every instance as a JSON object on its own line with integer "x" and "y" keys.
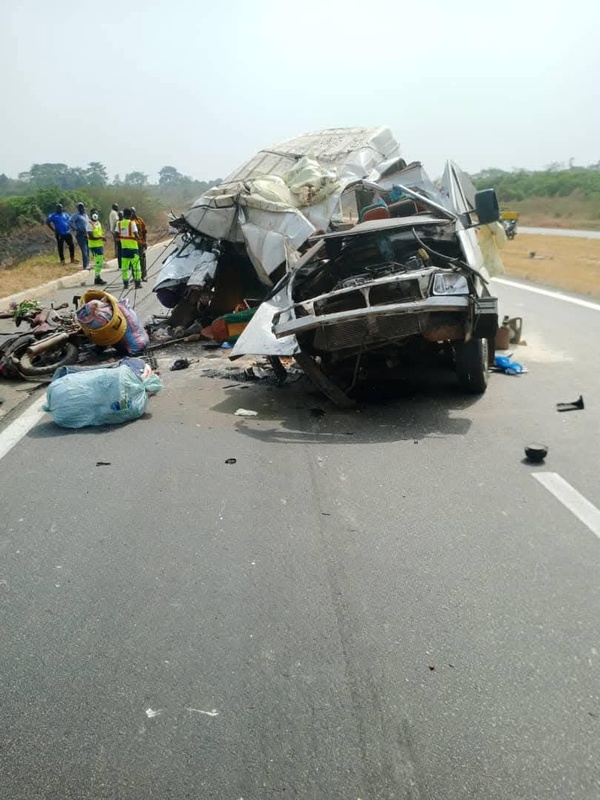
{"x": 564, "y": 262}
{"x": 574, "y": 211}
{"x": 33, "y": 272}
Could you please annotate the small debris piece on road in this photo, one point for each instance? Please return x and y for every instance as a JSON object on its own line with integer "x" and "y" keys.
{"x": 575, "y": 405}
{"x": 246, "y": 412}
{"x": 432, "y": 667}
{"x": 180, "y": 363}
{"x": 231, "y": 460}
{"x": 536, "y": 453}
{"x": 103, "y": 463}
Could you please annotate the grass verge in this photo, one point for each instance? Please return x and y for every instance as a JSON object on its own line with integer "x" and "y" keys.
{"x": 564, "y": 262}
{"x": 33, "y": 272}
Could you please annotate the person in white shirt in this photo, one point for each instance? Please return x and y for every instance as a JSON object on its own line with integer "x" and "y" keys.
{"x": 113, "y": 219}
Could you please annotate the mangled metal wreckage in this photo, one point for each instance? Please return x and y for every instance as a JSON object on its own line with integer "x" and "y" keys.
{"x": 354, "y": 260}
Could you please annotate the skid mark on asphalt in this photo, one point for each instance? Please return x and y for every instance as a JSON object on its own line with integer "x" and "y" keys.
{"x": 577, "y": 504}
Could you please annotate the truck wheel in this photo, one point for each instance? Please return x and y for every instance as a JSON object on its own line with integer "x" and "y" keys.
{"x": 472, "y": 365}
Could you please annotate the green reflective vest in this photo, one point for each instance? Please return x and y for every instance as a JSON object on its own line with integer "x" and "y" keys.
{"x": 95, "y": 240}
{"x": 126, "y": 236}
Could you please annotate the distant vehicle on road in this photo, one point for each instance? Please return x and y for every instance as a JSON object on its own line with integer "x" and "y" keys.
{"x": 509, "y": 221}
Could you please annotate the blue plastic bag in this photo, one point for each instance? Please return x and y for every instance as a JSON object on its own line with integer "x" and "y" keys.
{"x": 99, "y": 396}
{"x": 504, "y": 364}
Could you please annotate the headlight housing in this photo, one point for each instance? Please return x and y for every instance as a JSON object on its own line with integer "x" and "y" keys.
{"x": 450, "y": 283}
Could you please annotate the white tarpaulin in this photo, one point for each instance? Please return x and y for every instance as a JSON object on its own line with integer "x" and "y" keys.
{"x": 307, "y": 173}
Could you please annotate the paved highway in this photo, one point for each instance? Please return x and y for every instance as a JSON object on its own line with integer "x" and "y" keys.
{"x": 376, "y": 604}
{"x": 561, "y": 232}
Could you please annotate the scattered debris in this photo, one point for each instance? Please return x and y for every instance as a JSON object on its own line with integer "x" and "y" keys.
{"x": 180, "y": 363}
{"x": 509, "y": 332}
{"x": 246, "y": 412}
{"x": 231, "y": 460}
{"x": 536, "y": 453}
{"x": 508, "y": 367}
{"x": 576, "y": 405}
{"x": 213, "y": 713}
{"x": 103, "y": 463}
{"x": 151, "y": 713}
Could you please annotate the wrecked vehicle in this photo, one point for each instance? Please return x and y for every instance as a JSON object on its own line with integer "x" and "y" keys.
{"x": 352, "y": 261}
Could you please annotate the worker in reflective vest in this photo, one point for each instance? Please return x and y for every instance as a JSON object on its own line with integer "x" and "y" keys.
{"x": 96, "y": 239}
{"x": 128, "y": 234}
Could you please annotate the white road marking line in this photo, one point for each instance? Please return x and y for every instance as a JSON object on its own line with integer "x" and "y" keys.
{"x": 213, "y": 713}
{"x": 571, "y": 499}
{"x": 22, "y": 425}
{"x": 548, "y": 293}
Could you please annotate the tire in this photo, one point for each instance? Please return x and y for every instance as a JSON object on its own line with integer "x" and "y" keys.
{"x": 46, "y": 363}
{"x": 472, "y": 365}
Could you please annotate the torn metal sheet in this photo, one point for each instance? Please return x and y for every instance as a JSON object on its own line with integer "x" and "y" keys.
{"x": 258, "y": 337}
{"x": 266, "y": 234}
{"x": 185, "y": 262}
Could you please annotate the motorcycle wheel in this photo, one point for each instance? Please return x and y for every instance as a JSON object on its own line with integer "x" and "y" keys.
{"x": 46, "y": 363}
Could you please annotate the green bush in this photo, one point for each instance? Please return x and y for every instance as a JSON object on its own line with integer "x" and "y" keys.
{"x": 17, "y": 211}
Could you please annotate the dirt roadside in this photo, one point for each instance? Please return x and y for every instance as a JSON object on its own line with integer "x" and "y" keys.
{"x": 562, "y": 262}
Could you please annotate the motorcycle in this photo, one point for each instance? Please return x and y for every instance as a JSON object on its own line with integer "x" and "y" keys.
{"x": 510, "y": 228}
{"x": 54, "y": 340}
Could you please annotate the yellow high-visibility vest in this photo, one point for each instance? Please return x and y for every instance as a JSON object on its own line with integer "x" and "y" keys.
{"x": 126, "y": 236}
{"x": 95, "y": 240}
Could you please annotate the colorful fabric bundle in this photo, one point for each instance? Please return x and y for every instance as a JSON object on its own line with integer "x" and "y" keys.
{"x": 95, "y": 314}
{"x": 136, "y": 338}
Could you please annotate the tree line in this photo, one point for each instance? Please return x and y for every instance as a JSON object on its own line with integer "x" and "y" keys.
{"x": 556, "y": 180}
{"x": 61, "y": 176}
{"x": 29, "y": 198}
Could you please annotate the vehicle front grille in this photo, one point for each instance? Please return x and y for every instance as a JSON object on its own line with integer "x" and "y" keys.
{"x": 365, "y": 331}
{"x": 395, "y": 292}
{"x": 348, "y": 301}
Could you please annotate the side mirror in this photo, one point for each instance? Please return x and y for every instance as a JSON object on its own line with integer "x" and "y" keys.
{"x": 486, "y": 206}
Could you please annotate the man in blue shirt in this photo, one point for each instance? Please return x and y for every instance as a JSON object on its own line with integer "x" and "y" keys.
{"x": 58, "y": 222}
{"x": 78, "y": 222}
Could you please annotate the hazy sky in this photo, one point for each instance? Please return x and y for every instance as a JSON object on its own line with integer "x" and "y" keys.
{"x": 202, "y": 85}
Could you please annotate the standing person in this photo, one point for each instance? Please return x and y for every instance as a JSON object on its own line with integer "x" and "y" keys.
{"x": 78, "y": 222}
{"x": 58, "y": 222}
{"x": 143, "y": 233}
{"x": 96, "y": 239}
{"x": 130, "y": 255}
{"x": 113, "y": 218}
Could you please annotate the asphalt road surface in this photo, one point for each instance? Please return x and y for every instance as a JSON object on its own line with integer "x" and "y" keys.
{"x": 560, "y": 232}
{"x": 384, "y": 603}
